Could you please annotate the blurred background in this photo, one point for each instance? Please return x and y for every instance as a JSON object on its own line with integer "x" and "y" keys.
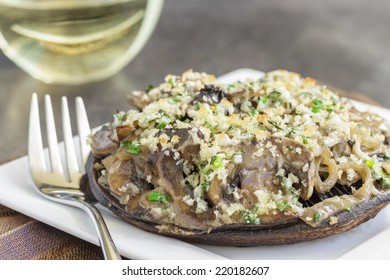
{"x": 341, "y": 43}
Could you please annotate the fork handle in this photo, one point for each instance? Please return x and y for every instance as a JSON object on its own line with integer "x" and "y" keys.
{"x": 106, "y": 243}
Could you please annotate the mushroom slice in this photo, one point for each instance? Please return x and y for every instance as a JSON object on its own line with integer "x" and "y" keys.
{"x": 278, "y": 156}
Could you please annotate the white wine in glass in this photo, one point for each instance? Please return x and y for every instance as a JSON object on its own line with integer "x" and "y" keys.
{"x": 75, "y": 41}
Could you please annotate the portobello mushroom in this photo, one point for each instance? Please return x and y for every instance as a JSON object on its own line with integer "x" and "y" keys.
{"x": 279, "y": 160}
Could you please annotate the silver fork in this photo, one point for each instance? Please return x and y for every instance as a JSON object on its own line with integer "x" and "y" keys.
{"x": 62, "y": 183}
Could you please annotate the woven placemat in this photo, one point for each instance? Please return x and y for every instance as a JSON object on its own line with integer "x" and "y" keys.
{"x": 23, "y": 238}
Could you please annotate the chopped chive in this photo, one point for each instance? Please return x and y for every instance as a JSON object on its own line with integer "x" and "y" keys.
{"x": 304, "y": 139}
{"x": 329, "y": 108}
{"x": 216, "y": 162}
{"x": 370, "y": 163}
{"x": 317, "y": 105}
{"x": 120, "y": 116}
{"x": 282, "y": 205}
{"x": 161, "y": 125}
{"x": 250, "y": 216}
{"x": 238, "y": 153}
{"x": 158, "y": 197}
{"x": 149, "y": 88}
{"x": 274, "y": 96}
{"x": 171, "y": 81}
{"x": 198, "y": 105}
{"x": 176, "y": 99}
{"x": 206, "y": 186}
{"x": 131, "y": 147}
{"x": 134, "y": 150}
{"x": 316, "y": 217}
{"x": 213, "y": 129}
{"x": 230, "y": 86}
{"x": 253, "y": 113}
{"x": 264, "y": 99}
{"x": 213, "y": 108}
{"x": 385, "y": 181}
{"x": 275, "y": 125}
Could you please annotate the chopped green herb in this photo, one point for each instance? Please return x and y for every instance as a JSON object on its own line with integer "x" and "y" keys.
{"x": 229, "y": 86}
{"x": 197, "y": 107}
{"x": 317, "y": 105}
{"x": 149, "y": 88}
{"x": 385, "y": 181}
{"x": 282, "y": 205}
{"x": 176, "y": 98}
{"x": 387, "y": 155}
{"x": 216, "y": 162}
{"x": 292, "y": 131}
{"x": 253, "y": 113}
{"x": 304, "y": 139}
{"x": 316, "y": 217}
{"x": 238, "y": 153}
{"x": 171, "y": 81}
{"x": 213, "y": 129}
{"x": 264, "y": 99}
{"x": 120, "y": 116}
{"x": 250, "y": 217}
{"x": 158, "y": 197}
{"x": 132, "y": 148}
{"x": 275, "y": 125}
{"x": 213, "y": 108}
{"x": 161, "y": 125}
{"x": 206, "y": 186}
{"x": 347, "y": 209}
{"x": 370, "y": 163}
{"x": 329, "y": 108}
{"x": 274, "y": 96}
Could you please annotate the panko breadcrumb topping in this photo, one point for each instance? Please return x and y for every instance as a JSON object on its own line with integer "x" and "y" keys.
{"x": 259, "y": 147}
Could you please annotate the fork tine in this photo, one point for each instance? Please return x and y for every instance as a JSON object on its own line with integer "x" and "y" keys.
{"x": 55, "y": 158}
{"x": 83, "y": 130}
{"x": 71, "y": 160}
{"x": 36, "y": 156}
